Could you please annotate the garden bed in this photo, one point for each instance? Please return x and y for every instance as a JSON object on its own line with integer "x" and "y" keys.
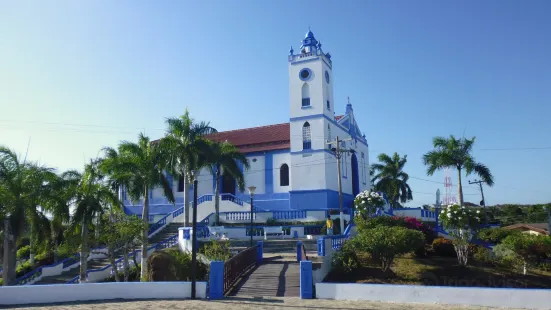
{"x": 440, "y": 271}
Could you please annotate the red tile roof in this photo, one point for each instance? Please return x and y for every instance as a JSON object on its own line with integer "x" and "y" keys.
{"x": 537, "y": 227}
{"x": 256, "y": 139}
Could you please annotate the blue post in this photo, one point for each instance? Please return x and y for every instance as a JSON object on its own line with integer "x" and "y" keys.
{"x": 216, "y": 280}
{"x": 299, "y": 251}
{"x": 306, "y": 286}
{"x": 259, "y": 252}
{"x": 321, "y": 246}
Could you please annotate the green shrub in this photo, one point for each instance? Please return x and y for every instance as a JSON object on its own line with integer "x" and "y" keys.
{"x": 23, "y": 252}
{"x": 495, "y": 235}
{"x": 443, "y": 247}
{"x": 385, "y": 243}
{"x": 133, "y": 274}
{"x": 370, "y": 223}
{"x": 346, "y": 260}
{"x": 23, "y": 269}
{"x": 483, "y": 255}
{"x": 531, "y": 249}
{"x": 505, "y": 257}
{"x": 217, "y": 250}
{"x": 271, "y": 222}
{"x": 1, "y": 281}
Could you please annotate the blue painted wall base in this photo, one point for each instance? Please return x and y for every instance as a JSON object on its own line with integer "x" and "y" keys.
{"x": 306, "y": 285}
{"x": 216, "y": 280}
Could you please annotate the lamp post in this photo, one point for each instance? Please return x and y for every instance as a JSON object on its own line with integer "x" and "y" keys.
{"x": 194, "y": 237}
{"x": 251, "y": 192}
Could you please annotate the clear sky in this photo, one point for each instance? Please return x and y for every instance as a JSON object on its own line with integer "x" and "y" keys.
{"x": 79, "y": 75}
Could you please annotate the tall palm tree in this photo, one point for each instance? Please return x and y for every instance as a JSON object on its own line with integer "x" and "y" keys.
{"x": 224, "y": 158}
{"x": 184, "y": 141}
{"x": 21, "y": 186}
{"x": 91, "y": 201}
{"x": 140, "y": 167}
{"x": 57, "y": 205}
{"x": 389, "y": 177}
{"x": 456, "y": 153}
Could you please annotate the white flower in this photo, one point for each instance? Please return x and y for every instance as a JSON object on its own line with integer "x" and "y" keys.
{"x": 455, "y": 212}
{"x": 478, "y": 211}
{"x": 443, "y": 211}
{"x": 459, "y": 217}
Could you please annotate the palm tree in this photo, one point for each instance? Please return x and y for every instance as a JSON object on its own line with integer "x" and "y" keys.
{"x": 389, "y": 177}
{"x": 21, "y": 186}
{"x": 140, "y": 167}
{"x": 456, "y": 153}
{"x": 91, "y": 200}
{"x": 57, "y": 204}
{"x": 184, "y": 142}
{"x": 223, "y": 158}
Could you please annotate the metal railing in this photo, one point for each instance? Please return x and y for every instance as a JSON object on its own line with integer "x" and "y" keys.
{"x": 236, "y": 266}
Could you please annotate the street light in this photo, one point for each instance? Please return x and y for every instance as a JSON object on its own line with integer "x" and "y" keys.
{"x": 194, "y": 173}
{"x": 251, "y": 192}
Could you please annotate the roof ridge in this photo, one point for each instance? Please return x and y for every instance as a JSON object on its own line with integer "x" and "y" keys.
{"x": 249, "y": 128}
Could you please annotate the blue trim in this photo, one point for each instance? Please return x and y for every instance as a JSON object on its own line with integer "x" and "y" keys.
{"x": 306, "y": 285}
{"x": 305, "y": 107}
{"x": 304, "y": 60}
{"x": 299, "y": 251}
{"x": 259, "y": 252}
{"x": 269, "y": 173}
{"x": 309, "y": 74}
{"x": 216, "y": 280}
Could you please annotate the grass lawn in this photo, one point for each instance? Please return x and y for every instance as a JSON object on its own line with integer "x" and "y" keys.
{"x": 441, "y": 271}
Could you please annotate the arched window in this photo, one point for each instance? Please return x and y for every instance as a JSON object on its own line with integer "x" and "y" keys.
{"x": 284, "y": 175}
{"x": 181, "y": 184}
{"x": 306, "y": 137}
{"x": 329, "y": 138}
{"x": 305, "y": 95}
{"x": 328, "y": 103}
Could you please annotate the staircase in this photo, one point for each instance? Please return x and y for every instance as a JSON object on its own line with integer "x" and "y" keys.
{"x": 167, "y": 232}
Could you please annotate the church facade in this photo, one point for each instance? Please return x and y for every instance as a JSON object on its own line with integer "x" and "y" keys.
{"x": 292, "y": 164}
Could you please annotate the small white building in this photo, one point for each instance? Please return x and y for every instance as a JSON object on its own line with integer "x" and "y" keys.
{"x": 292, "y": 164}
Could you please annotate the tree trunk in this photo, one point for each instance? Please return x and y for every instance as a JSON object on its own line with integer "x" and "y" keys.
{"x": 84, "y": 252}
{"x": 125, "y": 262}
{"x": 111, "y": 251}
{"x": 32, "y": 245}
{"x": 186, "y": 200}
{"x": 459, "y": 187}
{"x": 96, "y": 232}
{"x": 217, "y": 197}
{"x": 54, "y": 239}
{"x": 8, "y": 273}
{"x": 145, "y": 218}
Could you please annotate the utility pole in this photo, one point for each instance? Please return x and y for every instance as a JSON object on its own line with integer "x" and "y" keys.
{"x": 338, "y": 153}
{"x": 483, "y": 202}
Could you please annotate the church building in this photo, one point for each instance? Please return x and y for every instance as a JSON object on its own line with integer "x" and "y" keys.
{"x": 292, "y": 164}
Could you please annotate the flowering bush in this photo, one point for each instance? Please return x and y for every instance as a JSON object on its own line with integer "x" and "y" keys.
{"x": 461, "y": 223}
{"x": 367, "y": 203}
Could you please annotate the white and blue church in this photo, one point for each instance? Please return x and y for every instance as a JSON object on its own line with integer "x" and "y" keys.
{"x": 292, "y": 164}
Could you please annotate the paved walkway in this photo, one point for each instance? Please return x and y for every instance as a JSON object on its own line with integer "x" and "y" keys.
{"x": 236, "y": 303}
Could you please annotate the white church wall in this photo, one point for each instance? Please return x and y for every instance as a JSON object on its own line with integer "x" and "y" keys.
{"x": 204, "y": 183}
{"x": 317, "y": 134}
{"x": 278, "y": 160}
{"x": 255, "y": 175}
{"x": 308, "y": 172}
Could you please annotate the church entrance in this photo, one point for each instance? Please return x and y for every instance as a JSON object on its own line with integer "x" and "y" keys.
{"x": 355, "y": 179}
{"x": 228, "y": 184}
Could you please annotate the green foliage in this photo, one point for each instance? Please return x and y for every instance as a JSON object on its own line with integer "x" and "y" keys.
{"x": 505, "y": 257}
{"x": 23, "y": 252}
{"x": 386, "y": 242}
{"x": 390, "y": 178}
{"x": 370, "y": 223}
{"x": 217, "y": 250}
{"x": 457, "y": 217}
{"x": 120, "y": 229}
{"x": 484, "y": 255}
{"x": 133, "y": 274}
{"x": 346, "y": 260}
{"x": 171, "y": 264}
{"x": 443, "y": 247}
{"x": 530, "y": 248}
{"x": 496, "y": 235}
{"x": 23, "y": 268}
{"x": 509, "y": 214}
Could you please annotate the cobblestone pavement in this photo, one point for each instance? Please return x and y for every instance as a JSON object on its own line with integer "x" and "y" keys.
{"x": 250, "y": 303}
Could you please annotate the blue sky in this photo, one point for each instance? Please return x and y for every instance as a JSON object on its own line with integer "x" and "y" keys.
{"x": 79, "y": 75}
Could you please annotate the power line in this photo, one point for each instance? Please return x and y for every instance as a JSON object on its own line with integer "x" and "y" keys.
{"x": 517, "y": 149}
